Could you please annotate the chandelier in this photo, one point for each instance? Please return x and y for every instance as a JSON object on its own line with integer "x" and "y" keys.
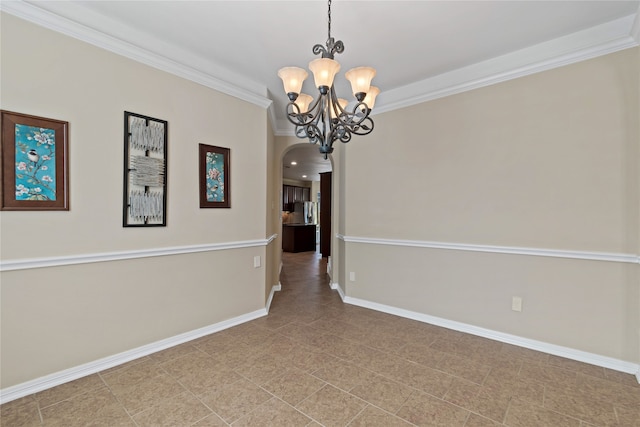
{"x": 328, "y": 118}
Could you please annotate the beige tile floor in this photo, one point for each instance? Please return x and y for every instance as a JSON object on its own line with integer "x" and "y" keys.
{"x": 315, "y": 361}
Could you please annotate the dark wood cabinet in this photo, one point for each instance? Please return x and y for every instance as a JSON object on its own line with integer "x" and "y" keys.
{"x": 287, "y": 197}
{"x": 293, "y": 194}
{"x": 298, "y": 238}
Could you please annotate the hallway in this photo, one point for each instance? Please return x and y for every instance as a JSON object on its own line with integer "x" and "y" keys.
{"x": 316, "y": 361}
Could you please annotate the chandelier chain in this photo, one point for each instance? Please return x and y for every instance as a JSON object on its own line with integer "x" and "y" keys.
{"x": 329, "y": 21}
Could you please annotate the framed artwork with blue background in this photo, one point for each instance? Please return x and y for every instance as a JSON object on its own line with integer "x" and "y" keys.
{"x": 214, "y": 177}
{"x": 34, "y": 163}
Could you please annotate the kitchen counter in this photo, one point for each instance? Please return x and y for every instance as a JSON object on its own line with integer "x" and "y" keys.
{"x": 298, "y": 237}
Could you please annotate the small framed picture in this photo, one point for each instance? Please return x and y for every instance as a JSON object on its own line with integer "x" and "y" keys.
{"x": 34, "y": 163}
{"x": 215, "y": 175}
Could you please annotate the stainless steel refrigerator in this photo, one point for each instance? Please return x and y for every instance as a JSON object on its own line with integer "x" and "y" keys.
{"x": 305, "y": 213}
{"x": 310, "y": 213}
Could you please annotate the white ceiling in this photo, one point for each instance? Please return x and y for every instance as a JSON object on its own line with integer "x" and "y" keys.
{"x": 421, "y": 49}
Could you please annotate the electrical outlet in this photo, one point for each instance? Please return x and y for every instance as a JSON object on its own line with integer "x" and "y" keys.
{"x": 516, "y": 304}
{"x": 256, "y": 261}
{"x": 352, "y": 276}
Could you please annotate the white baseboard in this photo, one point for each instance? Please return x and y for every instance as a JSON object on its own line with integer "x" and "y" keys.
{"x": 274, "y": 289}
{"x": 336, "y": 286}
{"x": 569, "y": 353}
{"x": 39, "y": 384}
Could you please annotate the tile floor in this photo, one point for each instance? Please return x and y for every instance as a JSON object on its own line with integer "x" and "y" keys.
{"x": 314, "y": 361}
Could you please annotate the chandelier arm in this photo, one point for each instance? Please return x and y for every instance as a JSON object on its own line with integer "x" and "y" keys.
{"x": 293, "y": 116}
{"x": 343, "y": 134}
{"x": 363, "y": 128}
{"x": 354, "y": 119}
{"x": 303, "y": 119}
{"x": 334, "y": 105}
{"x": 310, "y": 131}
{"x": 315, "y": 107}
{"x": 349, "y": 119}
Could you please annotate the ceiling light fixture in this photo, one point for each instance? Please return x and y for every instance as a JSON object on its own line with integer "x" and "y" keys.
{"x": 326, "y": 119}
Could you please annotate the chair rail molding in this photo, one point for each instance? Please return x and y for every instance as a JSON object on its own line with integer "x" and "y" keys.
{"x": 25, "y": 264}
{"x": 514, "y": 250}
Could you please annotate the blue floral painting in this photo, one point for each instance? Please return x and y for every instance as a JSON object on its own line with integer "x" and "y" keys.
{"x": 215, "y": 177}
{"x": 35, "y": 163}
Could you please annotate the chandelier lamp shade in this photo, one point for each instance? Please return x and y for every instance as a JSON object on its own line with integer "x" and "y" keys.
{"x": 327, "y": 118}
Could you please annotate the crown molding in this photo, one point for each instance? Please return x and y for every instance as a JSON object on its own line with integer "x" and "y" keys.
{"x": 83, "y": 33}
{"x": 580, "y": 46}
{"x": 273, "y": 120}
{"x": 600, "y": 40}
{"x": 284, "y": 128}
{"x": 635, "y": 29}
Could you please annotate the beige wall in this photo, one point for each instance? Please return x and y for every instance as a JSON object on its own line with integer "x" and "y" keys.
{"x": 548, "y": 161}
{"x": 62, "y": 317}
{"x": 274, "y": 218}
{"x": 543, "y": 161}
{"x": 339, "y": 207}
{"x": 57, "y": 318}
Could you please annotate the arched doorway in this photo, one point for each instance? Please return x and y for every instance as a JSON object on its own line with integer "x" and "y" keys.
{"x": 306, "y": 200}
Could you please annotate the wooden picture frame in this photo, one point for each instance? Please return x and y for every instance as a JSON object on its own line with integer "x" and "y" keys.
{"x": 145, "y": 171}
{"x": 34, "y": 151}
{"x": 215, "y": 176}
